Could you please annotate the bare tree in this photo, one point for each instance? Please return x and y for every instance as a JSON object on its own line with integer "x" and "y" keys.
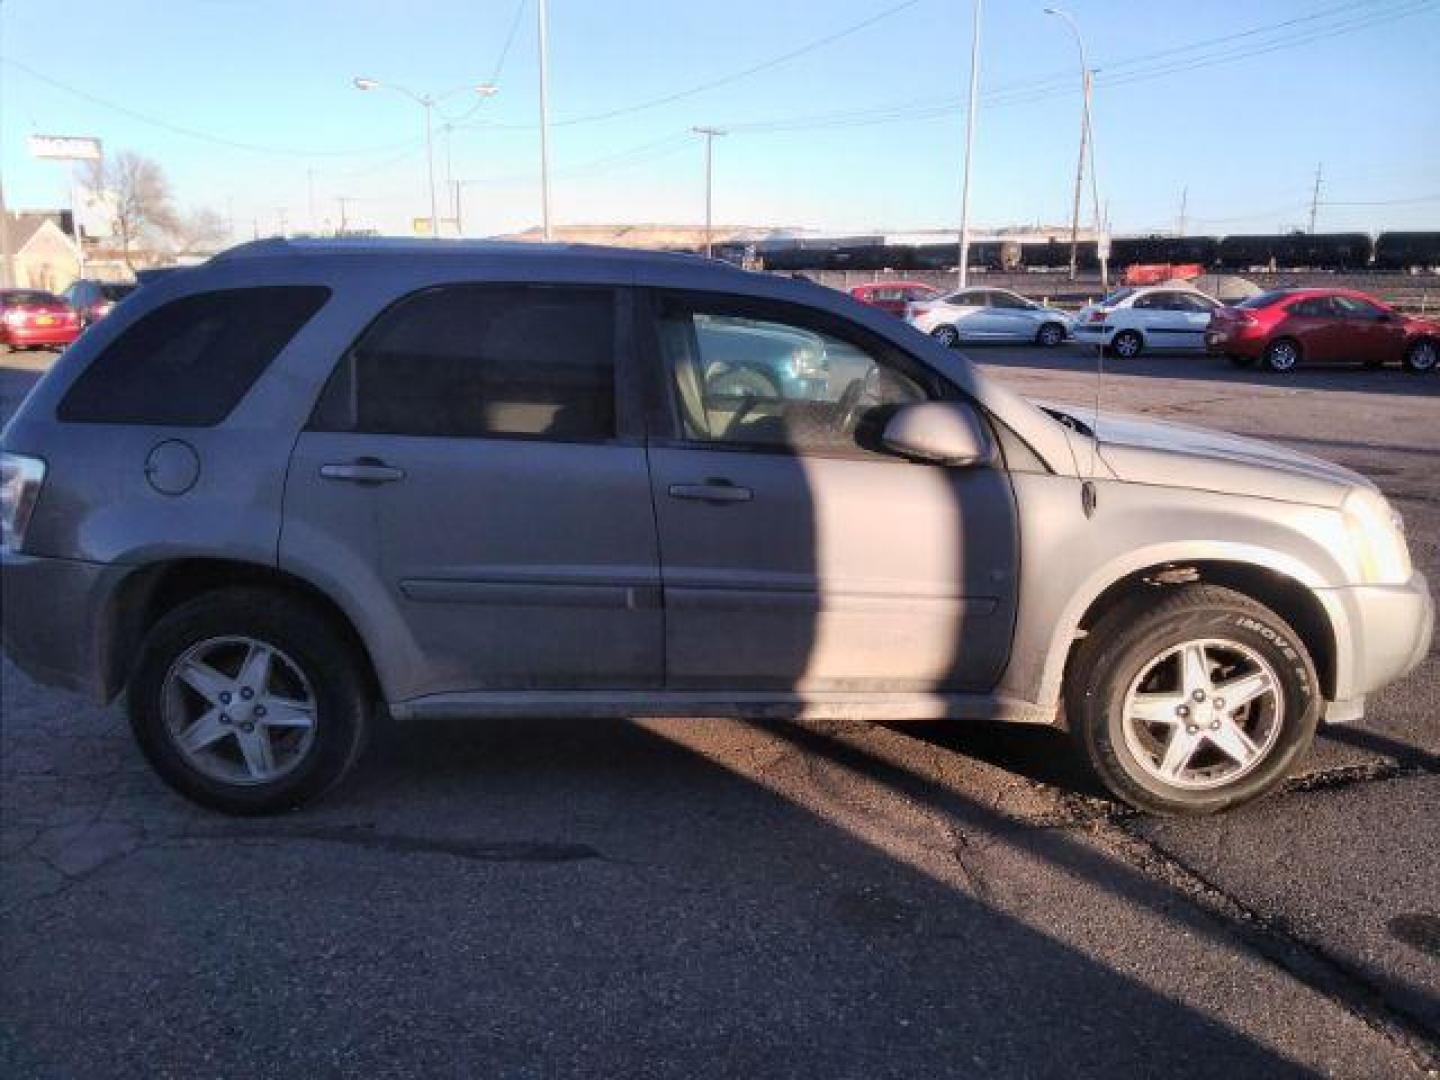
{"x": 143, "y": 203}
{"x": 197, "y": 230}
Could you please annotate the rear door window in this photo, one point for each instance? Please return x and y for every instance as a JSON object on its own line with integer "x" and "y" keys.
{"x": 482, "y": 361}
{"x": 190, "y": 361}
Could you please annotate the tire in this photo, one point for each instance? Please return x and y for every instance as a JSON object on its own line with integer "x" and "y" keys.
{"x": 1050, "y": 335}
{"x": 946, "y": 335}
{"x": 1141, "y": 648}
{"x": 1282, "y": 356}
{"x": 1422, "y": 357}
{"x": 1127, "y": 345}
{"x": 1240, "y": 361}
{"x": 313, "y": 673}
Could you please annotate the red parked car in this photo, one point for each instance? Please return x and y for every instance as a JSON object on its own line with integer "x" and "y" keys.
{"x": 892, "y": 296}
{"x": 30, "y": 318}
{"x": 1286, "y": 327}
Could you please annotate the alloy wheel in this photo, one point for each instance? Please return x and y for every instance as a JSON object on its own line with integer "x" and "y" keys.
{"x": 239, "y": 710}
{"x": 1203, "y": 714}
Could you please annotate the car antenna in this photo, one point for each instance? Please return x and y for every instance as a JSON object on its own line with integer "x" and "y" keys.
{"x": 1088, "y": 495}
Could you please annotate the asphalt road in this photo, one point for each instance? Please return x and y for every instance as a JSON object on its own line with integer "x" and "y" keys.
{"x": 714, "y": 898}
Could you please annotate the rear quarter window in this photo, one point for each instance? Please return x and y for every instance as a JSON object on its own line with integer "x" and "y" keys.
{"x": 189, "y": 362}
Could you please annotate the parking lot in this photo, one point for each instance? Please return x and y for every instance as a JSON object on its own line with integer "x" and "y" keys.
{"x": 698, "y": 898}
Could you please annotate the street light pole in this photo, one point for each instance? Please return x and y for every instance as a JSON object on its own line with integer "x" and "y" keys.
{"x": 1087, "y": 146}
{"x": 969, "y": 147}
{"x": 709, "y": 133}
{"x": 428, "y": 103}
{"x": 543, "y": 30}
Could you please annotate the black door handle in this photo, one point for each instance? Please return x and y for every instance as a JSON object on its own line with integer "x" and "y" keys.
{"x": 714, "y": 491}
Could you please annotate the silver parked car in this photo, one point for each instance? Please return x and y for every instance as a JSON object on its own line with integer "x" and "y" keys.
{"x": 269, "y": 494}
{"x": 988, "y": 315}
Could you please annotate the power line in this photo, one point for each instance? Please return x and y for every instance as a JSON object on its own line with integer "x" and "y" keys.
{"x": 180, "y": 129}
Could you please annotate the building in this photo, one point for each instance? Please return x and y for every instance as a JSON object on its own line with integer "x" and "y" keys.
{"x": 45, "y": 257}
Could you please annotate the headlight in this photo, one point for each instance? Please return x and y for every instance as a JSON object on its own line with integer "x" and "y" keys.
{"x": 20, "y": 480}
{"x": 1377, "y": 537}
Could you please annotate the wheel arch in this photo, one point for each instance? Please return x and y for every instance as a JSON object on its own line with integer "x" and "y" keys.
{"x": 1281, "y": 592}
{"x": 151, "y": 591}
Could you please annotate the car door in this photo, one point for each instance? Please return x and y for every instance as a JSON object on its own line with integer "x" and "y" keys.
{"x": 1160, "y": 319}
{"x": 1193, "y": 312}
{"x": 474, "y": 471}
{"x": 795, "y": 553}
{"x": 970, "y": 314}
{"x": 1012, "y": 317}
{"x": 1368, "y": 334}
{"x": 1315, "y": 323}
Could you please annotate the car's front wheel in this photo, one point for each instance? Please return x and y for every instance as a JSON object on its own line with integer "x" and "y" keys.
{"x": 1193, "y": 703}
{"x": 249, "y": 701}
{"x": 946, "y": 335}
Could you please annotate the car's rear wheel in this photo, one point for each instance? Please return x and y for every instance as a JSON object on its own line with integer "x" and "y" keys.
{"x": 1127, "y": 344}
{"x": 1282, "y": 356}
{"x": 1050, "y": 335}
{"x": 1421, "y": 358}
{"x": 249, "y": 701}
{"x": 1240, "y": 361}
{"x": 946, "y": 335}
{"x": 1194, "y": 703}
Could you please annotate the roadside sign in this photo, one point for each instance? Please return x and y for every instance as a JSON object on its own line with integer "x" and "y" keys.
{"x": 65, "y": 147}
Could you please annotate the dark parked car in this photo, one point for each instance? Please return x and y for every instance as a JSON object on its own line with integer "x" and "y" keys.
{"x": 92, "y": 300}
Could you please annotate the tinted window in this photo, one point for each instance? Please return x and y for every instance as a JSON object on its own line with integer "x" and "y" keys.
{"x": 1354, "y": 308}
{"x": 1191, "y": 302}
{"x": 189, "y": 362}
{"x": 481, "y": 360}
{"x": 1316, "y": 307}
{"x": 776, "y": 382}
{"x": 1116, "y": 296}
{"x": 972, "y": 298}
{"x": 1006, "y": 300}
{"x": 115, "y": 292}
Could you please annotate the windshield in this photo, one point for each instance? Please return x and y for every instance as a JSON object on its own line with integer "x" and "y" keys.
{"x": 116, "y": 291}
{"x": 1117, "y": 296}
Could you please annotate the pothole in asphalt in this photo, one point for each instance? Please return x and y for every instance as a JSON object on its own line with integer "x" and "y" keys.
{"x": 1418, "y": 929}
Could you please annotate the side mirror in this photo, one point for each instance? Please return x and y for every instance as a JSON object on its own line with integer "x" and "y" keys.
{"x": 940, "y": 432}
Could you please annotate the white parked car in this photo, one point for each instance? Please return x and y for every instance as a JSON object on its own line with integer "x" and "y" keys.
{"x": 988, "y": 315}
{"x": 1130, "y": 321}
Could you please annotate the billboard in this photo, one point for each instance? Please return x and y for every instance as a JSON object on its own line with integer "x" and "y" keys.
{"x": 65, "y": 147}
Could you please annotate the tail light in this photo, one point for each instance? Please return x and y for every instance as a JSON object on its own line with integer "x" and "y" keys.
{"x": 1098, "y": 315}
{"x": 20, "y": 480}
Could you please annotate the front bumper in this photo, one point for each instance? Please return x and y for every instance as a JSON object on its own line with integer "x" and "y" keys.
{"x": 52, "y": 617}
{"x": 1094, "y": 333}
{"x": 1385, "y": 633}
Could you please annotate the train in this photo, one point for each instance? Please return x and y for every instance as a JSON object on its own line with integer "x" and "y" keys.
{"x": 1399, "y": 252}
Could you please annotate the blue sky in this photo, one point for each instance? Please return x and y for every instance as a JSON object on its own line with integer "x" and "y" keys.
{"x": 865, "y": 132}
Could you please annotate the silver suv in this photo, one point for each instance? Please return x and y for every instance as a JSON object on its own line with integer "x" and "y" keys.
{"x": 307, "y": 480}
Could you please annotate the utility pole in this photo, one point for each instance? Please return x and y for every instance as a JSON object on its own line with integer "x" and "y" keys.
{"x": 709, "y": 133}
{"x": 969, "y": 146}
{"x": 544, "y": 120}
{"x": 7, "y": 256}
{"x": 344, "y": 221}
{"x": 1184, "y": 195}
{"x": 1079, "y": 183}
{"x": 1315, "y": 198}
{"x": 310, "y": 193}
